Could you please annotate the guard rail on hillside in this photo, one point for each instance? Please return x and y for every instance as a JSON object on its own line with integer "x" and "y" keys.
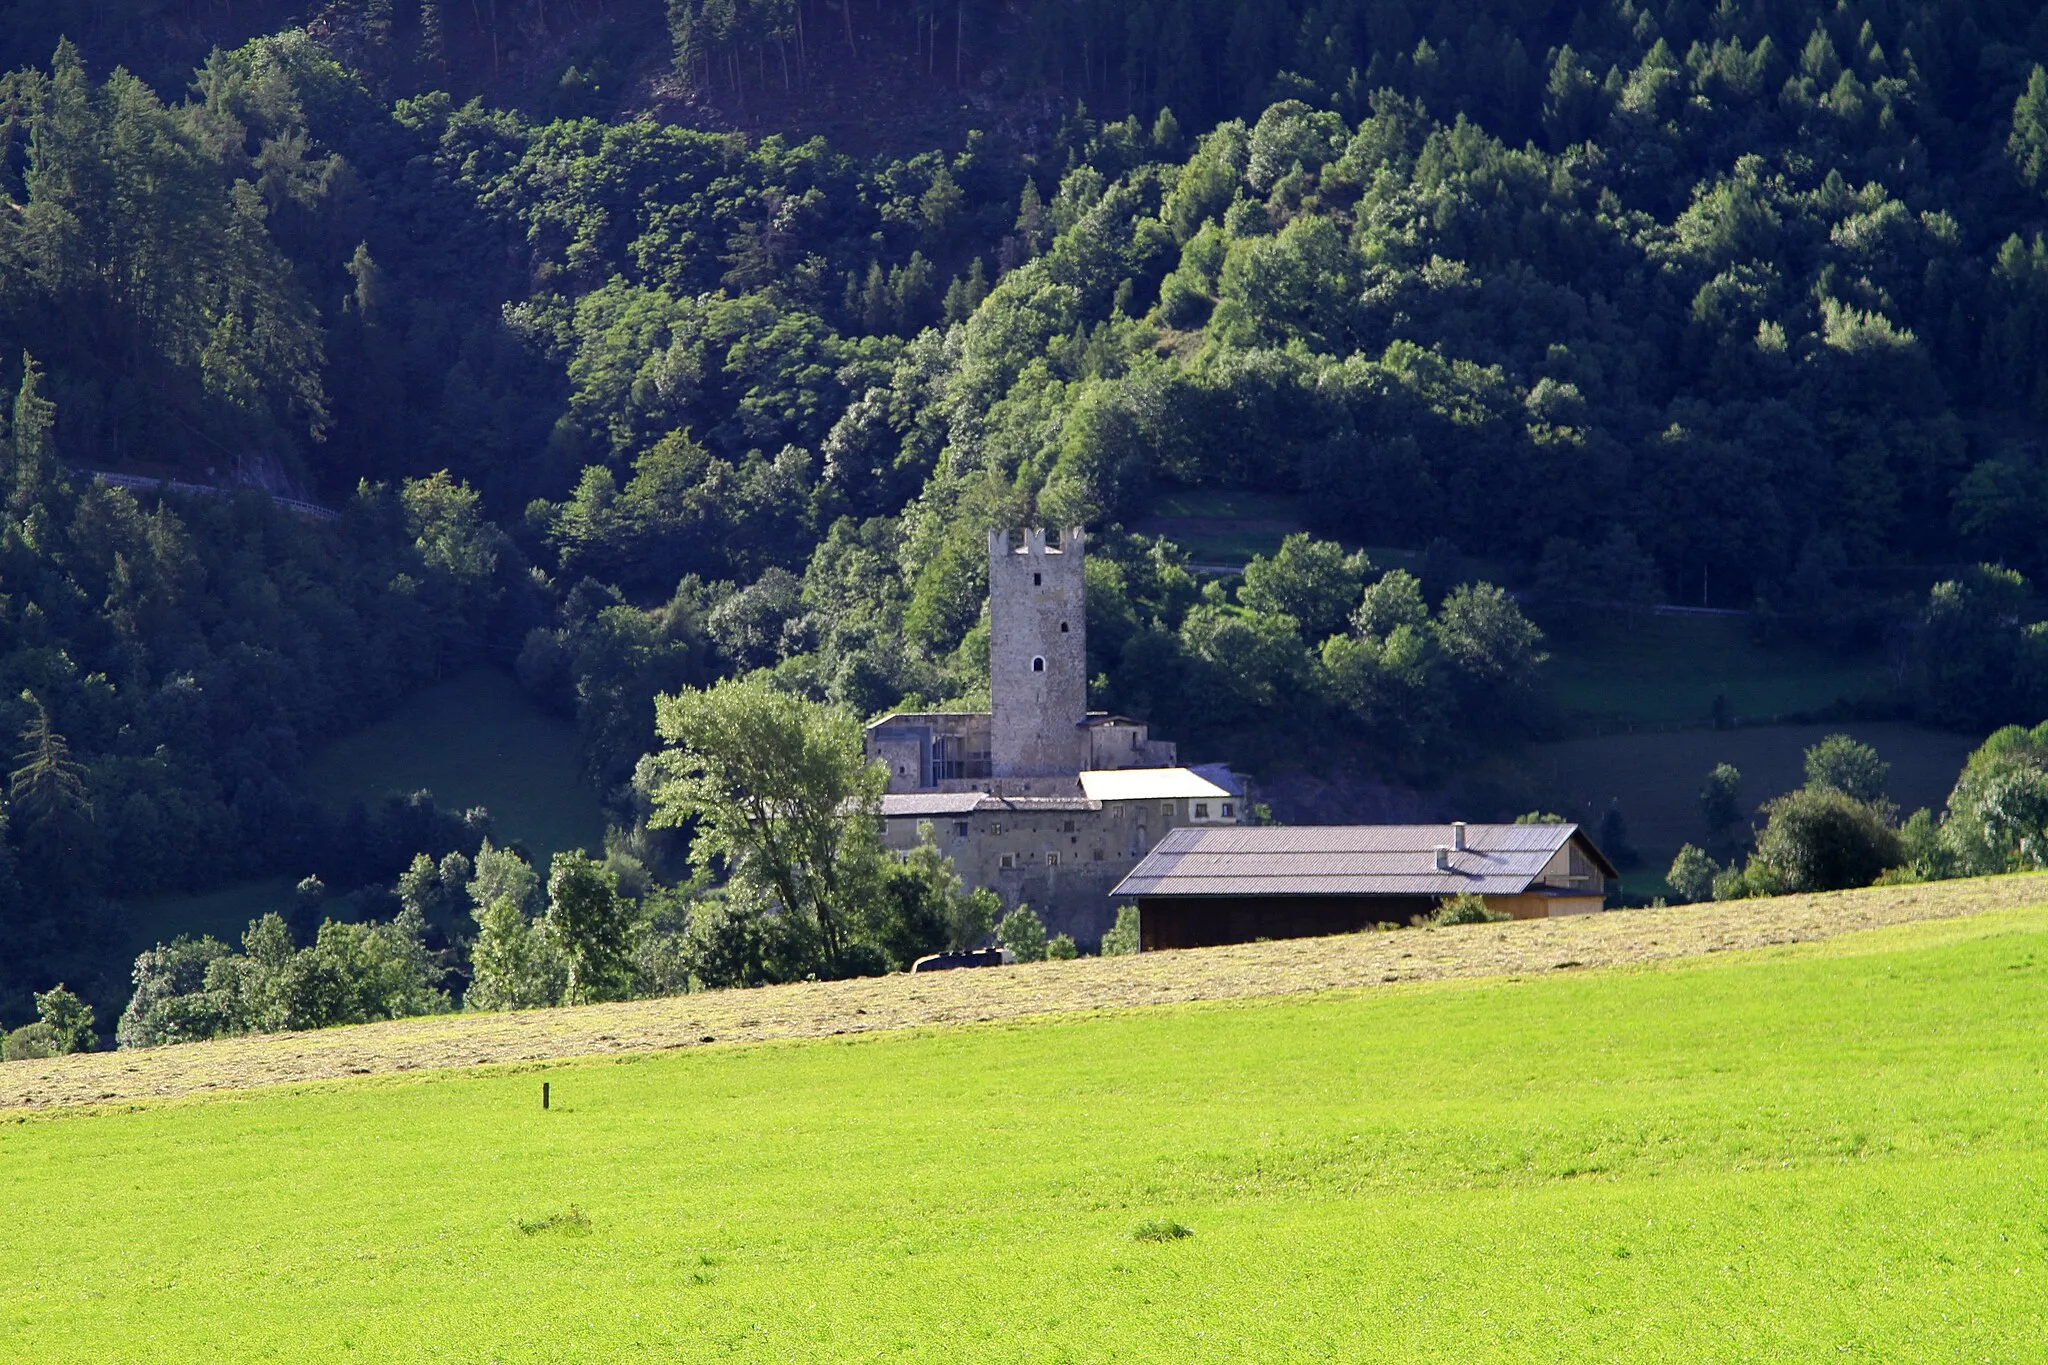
{"x": 298, "y": 505}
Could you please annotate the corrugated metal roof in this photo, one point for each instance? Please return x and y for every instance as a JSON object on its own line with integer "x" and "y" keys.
{"x": 1150, "y": 784}
{"x": 1348, "y": 860}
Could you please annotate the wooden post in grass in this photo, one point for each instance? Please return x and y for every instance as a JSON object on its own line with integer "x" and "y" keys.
{"x": 543, "y": 1094}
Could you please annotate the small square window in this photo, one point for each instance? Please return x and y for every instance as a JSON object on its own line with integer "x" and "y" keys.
{"x": 995, "y": 829}
{"x": 1166, "y": 809}
{"x": 1229, "y": 813}
{"x": 960, "y": 829}
{"x": 1008, "y": 860}
{"x": 1098, "y": 855}
{"x": 1069, "y": 828}
{"x": 1201, "y": 810}
{"x": 1052, "y": 860}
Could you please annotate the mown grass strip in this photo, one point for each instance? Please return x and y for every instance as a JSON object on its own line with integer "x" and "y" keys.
{"x": 820, "y": 1009}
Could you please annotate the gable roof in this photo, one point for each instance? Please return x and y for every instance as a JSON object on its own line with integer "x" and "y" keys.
{"x": 1150, "y": 784}
{"x": 1351, "y": 860}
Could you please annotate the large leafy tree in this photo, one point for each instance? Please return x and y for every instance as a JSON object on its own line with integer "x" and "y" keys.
{"x": 782, "y": 797}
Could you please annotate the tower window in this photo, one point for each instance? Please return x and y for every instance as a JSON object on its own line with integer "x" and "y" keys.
{"x": 1038, "y": 664}
{"x": 1037, "y": 580}
{"x": 1063, "y": 627}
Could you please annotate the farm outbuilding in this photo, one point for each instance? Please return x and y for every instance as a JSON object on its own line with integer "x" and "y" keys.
{"x": 1202, "y": 887}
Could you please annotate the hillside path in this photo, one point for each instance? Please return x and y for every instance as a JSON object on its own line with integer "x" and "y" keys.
{"x": 819, "y": 1009}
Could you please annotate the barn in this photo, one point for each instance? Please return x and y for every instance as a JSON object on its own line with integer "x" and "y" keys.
{"x": 1237, "y": 884}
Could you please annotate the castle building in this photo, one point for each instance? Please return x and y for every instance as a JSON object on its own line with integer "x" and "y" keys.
{"x": 1040, "y": 799}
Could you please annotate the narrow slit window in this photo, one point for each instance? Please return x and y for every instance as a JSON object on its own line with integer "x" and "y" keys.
{"x": 1063, "y": 627}
{"x": 1037, "y": 580}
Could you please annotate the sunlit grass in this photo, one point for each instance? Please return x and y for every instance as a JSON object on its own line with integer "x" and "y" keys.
{"x": 1830, "y": 1150}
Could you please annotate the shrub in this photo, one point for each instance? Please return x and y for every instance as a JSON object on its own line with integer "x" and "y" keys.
{"x": 1061, "y": 948}
{"x": 1023, "y": 933}
{"x": 1124, "y": 938}
{"x": 1465, "y": 908}
{"x": 1692, "y": 874}
{"x": 29, "y": 1042}
{"x": 736, "y": 940}
{"x": 1821, "y": 840}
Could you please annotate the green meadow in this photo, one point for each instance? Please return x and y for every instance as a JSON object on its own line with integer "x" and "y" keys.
{"x": 1833, "y": 1152}
{"x": 475, "y": 740}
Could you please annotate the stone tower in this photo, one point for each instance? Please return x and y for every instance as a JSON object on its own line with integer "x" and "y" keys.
{"x": 1038, "y": 656}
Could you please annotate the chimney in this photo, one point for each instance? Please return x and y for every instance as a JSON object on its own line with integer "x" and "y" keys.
{"x": 1443, "y": 858}
{"x": 1458, "y": 835}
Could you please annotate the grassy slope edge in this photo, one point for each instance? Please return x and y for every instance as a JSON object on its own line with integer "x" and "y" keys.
{"x": 1824, "y": 1150}
{"x": 839, "y": 1007}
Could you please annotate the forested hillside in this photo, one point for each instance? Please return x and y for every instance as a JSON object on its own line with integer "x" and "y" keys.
{"x": 621, "y": 378}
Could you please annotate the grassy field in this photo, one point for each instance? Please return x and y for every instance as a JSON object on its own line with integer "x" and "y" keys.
{"x": 1826, "y": 1150}
{"x": 819, "y": 1009}
{"x": 224, "y": 913}
{"x": 475, "y": 740}
{"x": 1667, "y": 670}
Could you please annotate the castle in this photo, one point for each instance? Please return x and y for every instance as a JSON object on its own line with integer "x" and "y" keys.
{"x": 1039, "y": 798}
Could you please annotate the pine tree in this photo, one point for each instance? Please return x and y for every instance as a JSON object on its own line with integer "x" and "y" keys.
{"x": 33, "y": 452}
{"x": 47, "y": 783}
{"x": 2028, "y": 145}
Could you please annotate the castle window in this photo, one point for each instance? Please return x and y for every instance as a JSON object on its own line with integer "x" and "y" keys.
{"x": 1009, "y": 860}
{"x": 1069, "y": 828}
{"x": 960, "y": 829}
{"x": 1037, "y": 580}
{"x": 1038, "y": 664}
{"x": 1063, "y": 627}
{"x": 1166, "y": 809}
{"x": 1052, "y": 860}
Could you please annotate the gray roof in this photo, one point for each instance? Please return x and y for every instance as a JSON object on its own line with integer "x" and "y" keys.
{"x": 931, "y": 803}
{"x": 1350, "y": 860}
{"x": 905, "y": 805}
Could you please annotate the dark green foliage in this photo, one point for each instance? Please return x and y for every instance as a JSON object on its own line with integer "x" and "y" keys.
{"x": 1820, "y": 840}
{"x": 1979, "y": 657}
{"x": 1721, "y": 799}
{"x": 1639, "y": 302}
{"x": 1839, "y": 763}
{"x": 352, "y": 973}
{"x": 1997, "y": 819}
{"x": 1023, "y": 933}
{"x": 588, "y": 923}
{"x": 64, "y": 1024}
{"x": 1692, "y": 874}
{"x": 1464, "y": 908}
{"x": 1125, "y": 937}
